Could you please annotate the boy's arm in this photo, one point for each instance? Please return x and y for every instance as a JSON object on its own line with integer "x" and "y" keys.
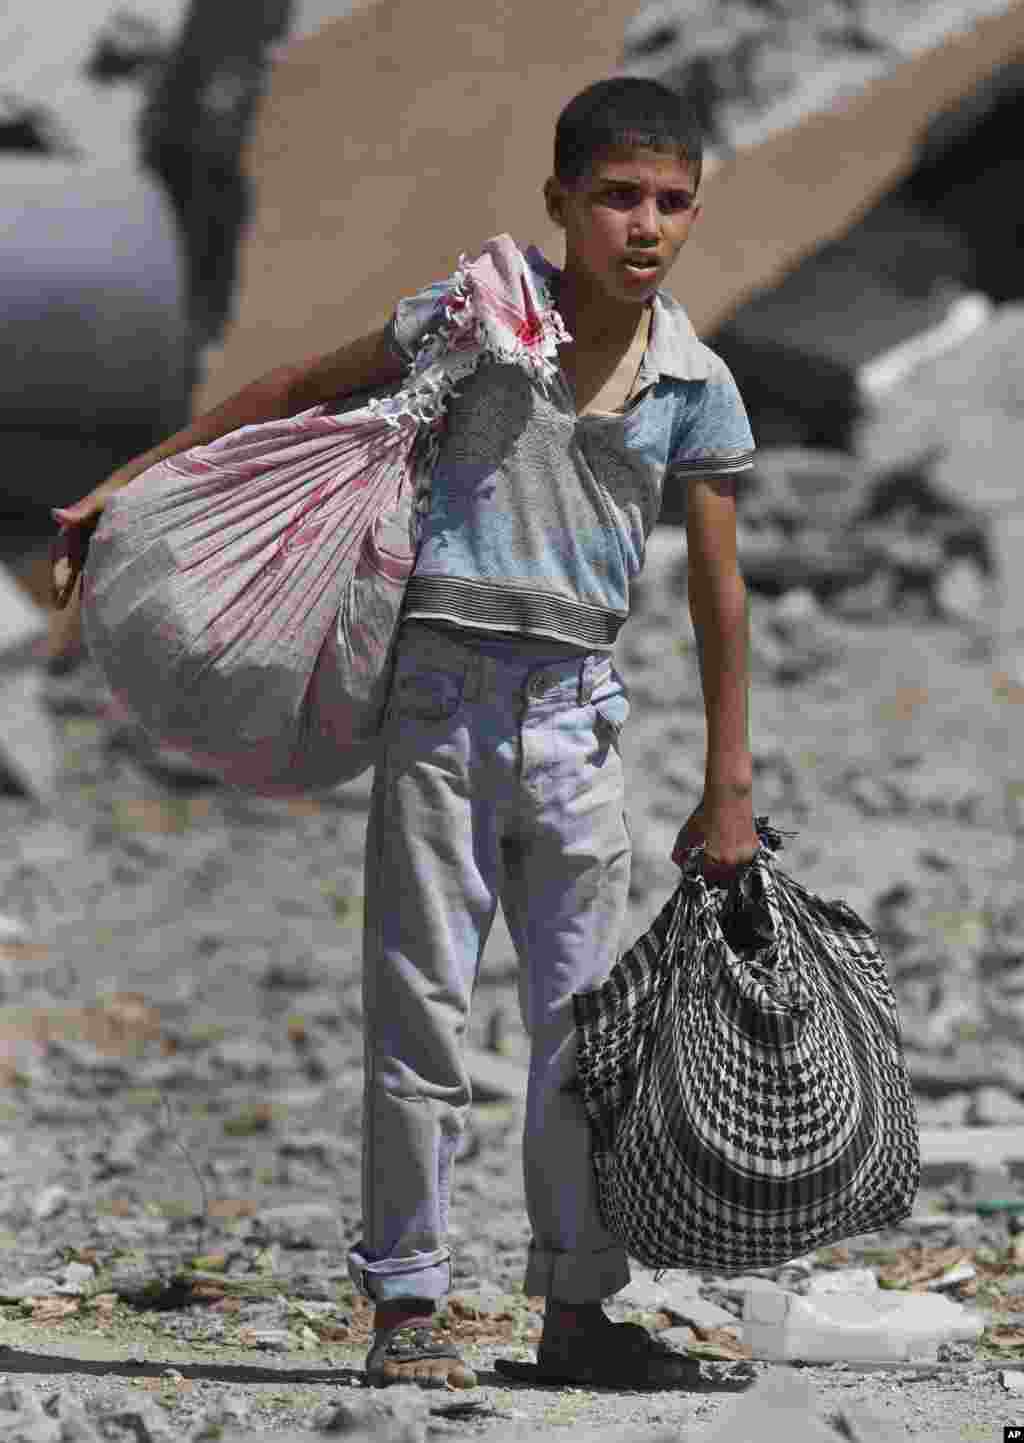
{"x": 719, "y": 611}
{"x": 368, "y": 361}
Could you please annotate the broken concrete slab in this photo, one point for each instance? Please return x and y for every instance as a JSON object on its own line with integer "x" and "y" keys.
{"x": 977, "y": 1147}
{"x": 782, "y": 1397}
{"x": 31, "y": 758}
{"x": 22, "y": 622}
{"x": 864, "y": 1423}
{"x": 780, "y": 1326}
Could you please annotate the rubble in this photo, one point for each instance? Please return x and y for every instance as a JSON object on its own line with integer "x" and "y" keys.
{"x": 30, "y": 757}
{"x": 818, "y": 530}
{"x": 853, "y": 1325}
{"x": 789, "y": 1401}
{"x": 22, "y": 623}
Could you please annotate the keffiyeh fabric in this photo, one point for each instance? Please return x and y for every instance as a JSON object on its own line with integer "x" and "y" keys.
{"x": 749, "y": 1099}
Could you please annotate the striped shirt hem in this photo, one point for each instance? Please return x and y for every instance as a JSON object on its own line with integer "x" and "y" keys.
{"x": 721, "y": 465}
{"x": 482, "y": 607}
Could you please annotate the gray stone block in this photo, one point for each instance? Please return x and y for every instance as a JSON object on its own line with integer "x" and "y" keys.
{"x": 30, "y": 754}
{"x": 779, "y": 1405}
{"x": 22, "y": 622}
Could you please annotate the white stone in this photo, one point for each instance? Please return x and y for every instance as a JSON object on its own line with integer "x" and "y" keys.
{"x": 977, "y": 1146}
{"x": 29, "y": 751}
{"x": 668, "y": 1295}
{"x": 12, "y": 930}
{"x": 953, "y": 1277}
{"x": 77, "y": 1277}
{"x": 22, "y": 622}
{"x": 995, "y": 1105}
{"x": 275, "y": 1340}
{"x": 29, "y": 1288}
{"x": 780, "y": 1405}
{"x": 961, "y": 591}
{"x": 246, "y": 1058}
{"x": 858, "y": 1282}
{"x": 699, "y": 1312}
{"x": 832, "y": 1328}
{"x": 50, "y": 1202}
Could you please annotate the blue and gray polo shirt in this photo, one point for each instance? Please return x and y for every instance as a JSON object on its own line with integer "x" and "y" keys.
{"x": 539, "y": 517}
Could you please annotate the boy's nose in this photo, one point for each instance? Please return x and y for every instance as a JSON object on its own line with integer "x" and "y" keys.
{"x": 645, "y": 220}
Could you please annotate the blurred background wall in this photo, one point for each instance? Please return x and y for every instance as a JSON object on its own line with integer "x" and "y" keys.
{"x": 193, "y": 194}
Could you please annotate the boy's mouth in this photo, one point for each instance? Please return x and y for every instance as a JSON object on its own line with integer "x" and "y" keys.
{"x": 641, "y": 265}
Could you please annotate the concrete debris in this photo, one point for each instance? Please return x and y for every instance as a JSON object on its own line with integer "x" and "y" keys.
{"x": 784, "y": 1397}
{"x": 26, "y": 1419}
{"x": 806, "y": 641}
{"x": 673, "y": 1293}
{"x": 274, "y": 1340}
{"x": 30, "y": 756}
{"x": 50, "y": 1202}
{"x": 974, "y": 1147}
{"x": 12, "y": 929}
{"x": 995, "y": 1107}
{"x": 125, "y": 49}
{"x": 400, "y": 1414}
{"x": 892, "y": 538}
{"x": 322, "y": 1147}
{"x": 22, "y": 622}
{"x": 587, "y": 1433}
{"x": 854, "y": 1282}
{"x": 77, "y": 1279}
{"x": 966, "y": 314}
{"x": 15, "y": 1292}
{"x": 243, "y": 1057}
{"x": 827, "y": 1327}
{"x": 953, "y": 1278}
{"x": 300, "y": 1224}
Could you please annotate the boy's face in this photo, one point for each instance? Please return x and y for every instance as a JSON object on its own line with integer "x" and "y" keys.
{"x": 626, "y": 221}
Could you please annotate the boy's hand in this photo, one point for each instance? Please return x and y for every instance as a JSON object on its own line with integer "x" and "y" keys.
{"x": 726, "y": 825}
{"x": 69, "y": 547}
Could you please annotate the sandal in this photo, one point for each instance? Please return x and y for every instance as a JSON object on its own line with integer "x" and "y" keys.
{"x": 623, "y": 1356}
{"x": 414, "y": 1343}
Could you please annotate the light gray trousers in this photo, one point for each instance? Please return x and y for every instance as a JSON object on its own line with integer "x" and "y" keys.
{"x": 499, "y": 777}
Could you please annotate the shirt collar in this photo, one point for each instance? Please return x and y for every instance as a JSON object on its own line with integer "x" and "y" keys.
{"x": 673, "y": 348}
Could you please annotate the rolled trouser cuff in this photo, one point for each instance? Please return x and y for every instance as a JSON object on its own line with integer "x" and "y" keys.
{"x": 428, "y": 1275}
{"x": 575, "y": 1277}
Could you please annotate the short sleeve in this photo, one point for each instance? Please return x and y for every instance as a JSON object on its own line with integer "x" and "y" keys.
{"x": 414, "y": 317}
{"x": 713, "y": 435}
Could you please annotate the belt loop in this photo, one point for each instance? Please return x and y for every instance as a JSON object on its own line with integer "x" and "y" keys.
{"x": 479, "y": 677}
{"x": 474, "y": 677}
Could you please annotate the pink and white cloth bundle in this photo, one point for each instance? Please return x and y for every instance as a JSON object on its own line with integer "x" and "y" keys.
{"x": 242, "y": 598}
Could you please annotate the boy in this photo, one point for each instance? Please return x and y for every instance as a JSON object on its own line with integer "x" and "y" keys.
{"x": 500, "y": 773}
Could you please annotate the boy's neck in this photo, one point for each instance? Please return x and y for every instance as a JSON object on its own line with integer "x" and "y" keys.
{"x": 591, "y": 318}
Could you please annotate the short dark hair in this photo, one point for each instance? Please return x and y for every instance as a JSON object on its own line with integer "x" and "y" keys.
{"x": 624, "y": 111}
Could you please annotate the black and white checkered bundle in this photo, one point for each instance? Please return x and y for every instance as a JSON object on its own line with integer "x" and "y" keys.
{"x": 747, "y": 1106}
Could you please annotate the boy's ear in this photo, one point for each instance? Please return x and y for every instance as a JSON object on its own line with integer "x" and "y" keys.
{"x": 554, "y": 200}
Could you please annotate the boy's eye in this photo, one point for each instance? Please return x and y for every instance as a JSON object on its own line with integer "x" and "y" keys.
{"x": 624, "y": 195}
{"x": 676, "y": 200}
{"x": 627, "y": 196}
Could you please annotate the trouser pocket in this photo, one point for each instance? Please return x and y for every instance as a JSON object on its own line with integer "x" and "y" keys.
{"x": 610, "y": 716}
{"x": 428, "y": 694}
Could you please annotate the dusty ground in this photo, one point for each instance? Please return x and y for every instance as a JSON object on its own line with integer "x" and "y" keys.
{"x": 233, "y": 1088}
{"x": 180, "y": 1042}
